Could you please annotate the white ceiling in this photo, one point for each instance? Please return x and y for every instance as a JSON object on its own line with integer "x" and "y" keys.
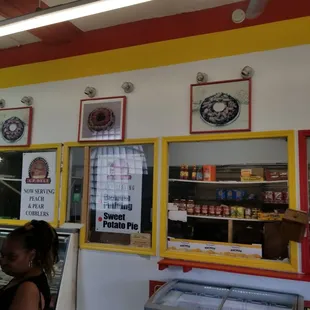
{"x": 17, "y": 39}
{"x": 152, "y": 9}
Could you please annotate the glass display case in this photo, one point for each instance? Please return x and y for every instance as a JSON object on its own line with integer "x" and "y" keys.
{"x": 63, "y": 284}
{"x": 178, "y": 294}
{"x": 111, "y": 188}
{"x": 225, "y": 197}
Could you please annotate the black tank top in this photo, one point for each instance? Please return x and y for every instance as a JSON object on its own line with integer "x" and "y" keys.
{"x": 7, "y": 295}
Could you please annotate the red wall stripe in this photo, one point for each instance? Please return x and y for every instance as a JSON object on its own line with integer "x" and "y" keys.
{"x": 153, "y": 30}
{"x": 189, "y": 265}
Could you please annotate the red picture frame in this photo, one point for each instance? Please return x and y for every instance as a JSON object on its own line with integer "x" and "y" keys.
{"x": 240, "y": 93}
{"x": 102, "y": 119}
{"x": 303, "y": 135}
{"x": 16, "y": 127}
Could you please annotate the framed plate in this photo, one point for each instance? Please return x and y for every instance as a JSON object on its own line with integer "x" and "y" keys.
{"x": 102, "y": 119}
{"x": 15, "y": 127}
{"x": 222, "y": 106}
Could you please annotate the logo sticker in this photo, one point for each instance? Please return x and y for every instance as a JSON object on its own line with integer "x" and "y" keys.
{"x": 38, "y": 172}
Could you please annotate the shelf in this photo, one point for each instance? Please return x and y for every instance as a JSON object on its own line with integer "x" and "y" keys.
{"x": 228, "y": 182}
{"x": 188, "y": 266}
{"x": 230, "y": 218}
{"x": 253, "y": 201}
{"x": 11, "y": 180}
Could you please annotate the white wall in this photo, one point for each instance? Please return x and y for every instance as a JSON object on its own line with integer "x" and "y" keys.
{"x": 255, "y": 151}
{"x": 160, "y": 104}
{"x": 159, "y": 107}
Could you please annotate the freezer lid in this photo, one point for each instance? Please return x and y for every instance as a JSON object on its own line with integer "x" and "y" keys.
{"x": 188, "y": 295}
{"x": 240, "y": 298}
{"x": 178, "y": 294}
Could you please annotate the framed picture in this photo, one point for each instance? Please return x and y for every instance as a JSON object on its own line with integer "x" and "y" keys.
{"x": 223, "y": 106}
{"x": 102, "y": 119}
{"x": 16, "y": 127}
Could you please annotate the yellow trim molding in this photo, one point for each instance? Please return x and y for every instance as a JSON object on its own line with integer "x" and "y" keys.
{"x": 84, "y": 243}
{"x": 214, "y": 45}
{"x": 39, "y": 147}
{"x": 292, "y": 266}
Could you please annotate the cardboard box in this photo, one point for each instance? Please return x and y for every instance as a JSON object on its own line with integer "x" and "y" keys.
{"x": 275, "y": 175}
{"x": 209, "y": 173}
{"x": 275, "y": 245}
{"x": 294, "y": 224}
{"x": 140, "y": 240}
{"x": 253, "y": 174}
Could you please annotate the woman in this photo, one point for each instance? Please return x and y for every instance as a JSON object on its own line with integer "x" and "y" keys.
{"x": 28, "y": 254}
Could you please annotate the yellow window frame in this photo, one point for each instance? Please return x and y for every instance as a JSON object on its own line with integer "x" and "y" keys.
{"x": 39, "y": 147}
{"x": 84, "y": 244}
{"x": 292, "y": 266}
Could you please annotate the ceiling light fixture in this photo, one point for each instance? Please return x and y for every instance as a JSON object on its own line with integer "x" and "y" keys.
{"x": 62, "y": 13}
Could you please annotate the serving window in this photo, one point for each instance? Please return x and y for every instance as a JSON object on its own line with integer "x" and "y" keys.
{"x": 72, "y": 187}
{"x": 112, "y": 190}
{"x": 225, "y": 199}
{"x": 29, "y": 180}
{"x": 304, "y": 168}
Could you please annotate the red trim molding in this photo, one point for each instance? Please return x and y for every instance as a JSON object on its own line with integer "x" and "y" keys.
{"x": 303, "y": 135}
{"x": 188, "y": 266}
{"x": 154, "y": 286}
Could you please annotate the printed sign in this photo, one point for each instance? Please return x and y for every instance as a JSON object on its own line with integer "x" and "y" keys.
{"x": 38, "y": 186}
{"x": 140, "y": 240}
{"x": 119, "y": 193}
{"x": 212, "y": 248}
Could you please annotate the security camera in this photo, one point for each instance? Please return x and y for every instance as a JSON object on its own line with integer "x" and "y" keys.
{"x": 90, "y": 92}
{"x": 201, "y": 77}
{"x": 247, "y": 72}
{"x": 2, "y": 103}
{"x": 128, "y": 87}
{"x": 27, "y": 100}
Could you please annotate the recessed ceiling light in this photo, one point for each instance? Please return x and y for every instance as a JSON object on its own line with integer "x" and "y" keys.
{"x": 62, "y": 13}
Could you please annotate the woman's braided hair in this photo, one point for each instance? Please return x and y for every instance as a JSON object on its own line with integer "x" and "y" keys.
{"x": 42, "y": 238}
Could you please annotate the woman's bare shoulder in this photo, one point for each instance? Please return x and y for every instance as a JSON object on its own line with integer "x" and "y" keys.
{"x": 27, "y": 297}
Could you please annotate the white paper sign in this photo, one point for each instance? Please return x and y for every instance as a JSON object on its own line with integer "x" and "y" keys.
{"x": 119, "y": 193}
{"x": 217, "y": 248}
{"x": 177, "y": 216}
{"x": 38, "y": 186}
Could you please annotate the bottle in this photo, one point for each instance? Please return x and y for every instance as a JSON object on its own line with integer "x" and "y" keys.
{"x": 182, "y": 172}
{"x": 194, "y": 173}
{"x": 199, "y": 176}
{"x": 185, "y": 172}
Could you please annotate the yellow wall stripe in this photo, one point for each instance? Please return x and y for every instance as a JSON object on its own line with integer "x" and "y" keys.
{"x": 233, "y": 42}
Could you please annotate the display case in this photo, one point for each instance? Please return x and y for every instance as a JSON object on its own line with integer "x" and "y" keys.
{"x": 63, "y": 284}
{"x": 29, "y": 183}
{"x": 224, "y": 197}
{"x": 178, "y": 294}
{"x": 112, "y": 189}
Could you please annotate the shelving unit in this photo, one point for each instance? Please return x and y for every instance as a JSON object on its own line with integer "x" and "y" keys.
{"x": 230, "y": 229}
